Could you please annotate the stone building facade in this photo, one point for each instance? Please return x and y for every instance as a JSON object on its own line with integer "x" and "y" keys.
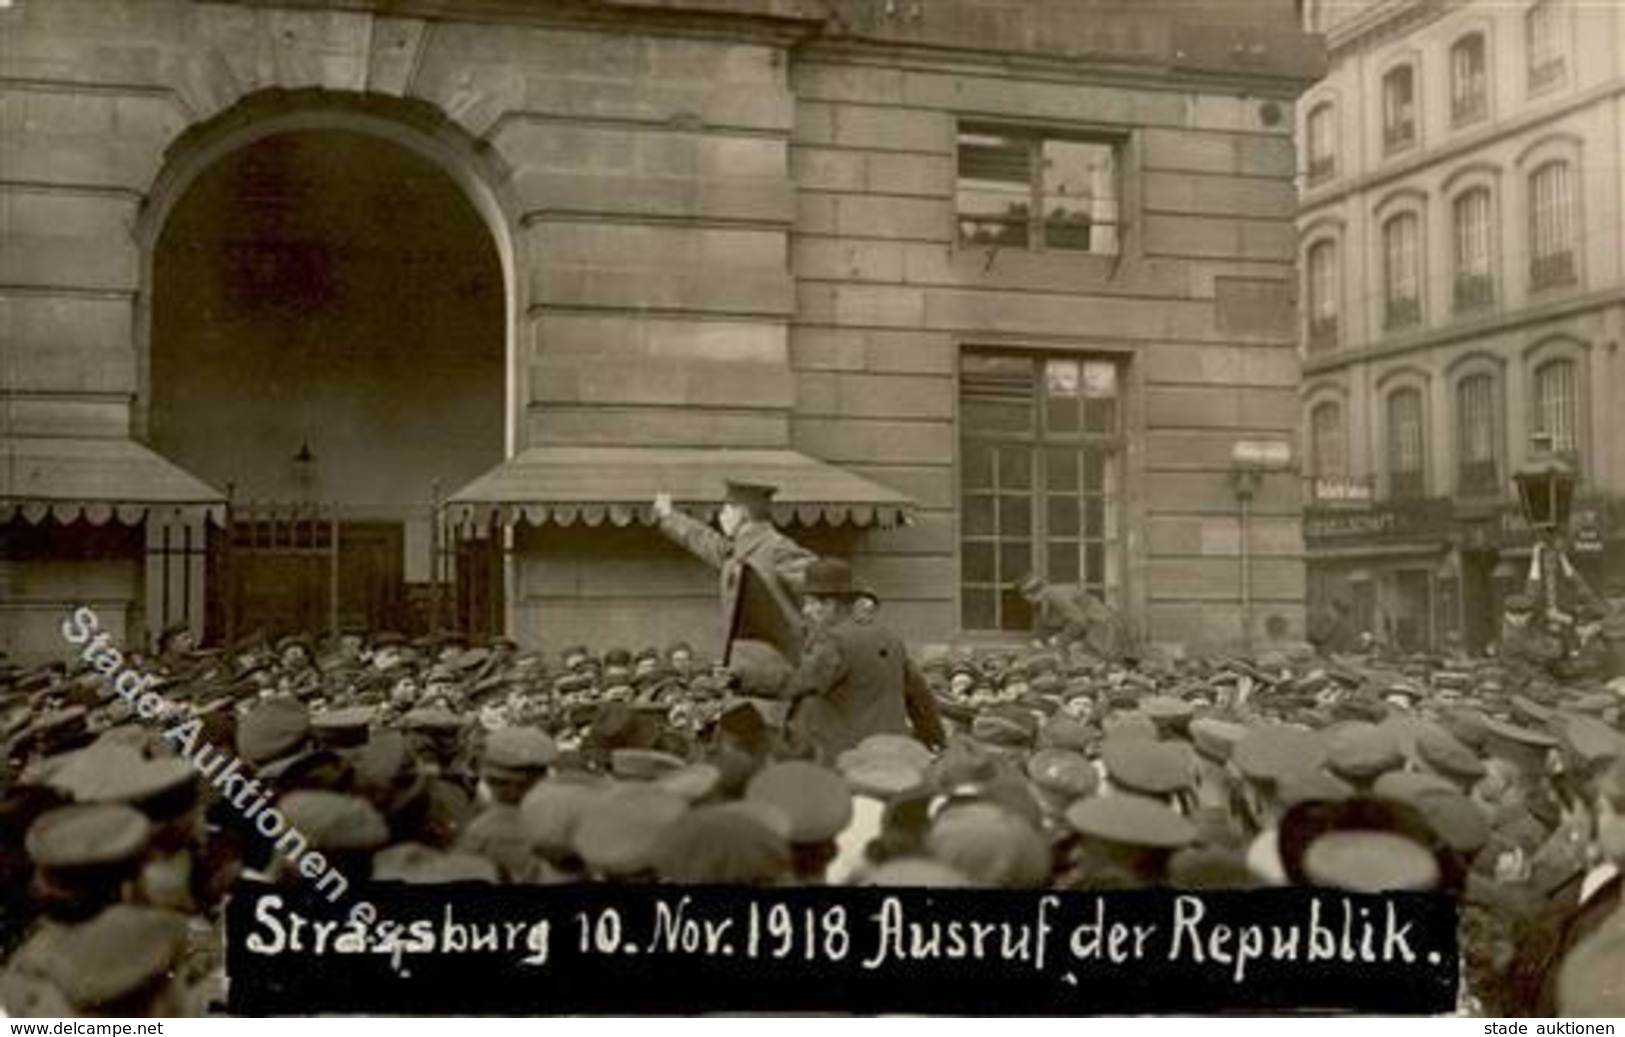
{"x": 1463, "y": 186}
{"x": 400, "y": 314}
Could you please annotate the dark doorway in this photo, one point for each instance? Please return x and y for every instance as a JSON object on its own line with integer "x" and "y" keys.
{"x": 327, "y": 338}
{"x": 1479, "y": 608}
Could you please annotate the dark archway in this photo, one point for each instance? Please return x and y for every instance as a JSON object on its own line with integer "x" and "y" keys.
{"x": 329, "y": 331}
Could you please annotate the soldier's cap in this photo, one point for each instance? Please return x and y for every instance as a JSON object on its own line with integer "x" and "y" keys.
{"x": 1310, "y": 785}
{"x": 1362, "y": 844}
{"x": 1166, "y": 709}
{"x": 1130, "y": 724}
{"x": 114, "y": 772}
{"x": 643, "y": 764}
{"x": 1215, "y": 738}
{"x": 1455, "y": 818}
{"x": 343, "y": 728}
{"x": 617, "y": 835}
{"x": 271, "y": 729}
{"x": 1150, "y": 768}
{"x": 1066, "y": 732}
{"x": 1369, "y": 862}
{"x": 694, "y": 782}
{"x": 525, "y": 749}
{"x": 886, "y": 748}
{"x": 1594, "y": 703}
{"x": 1529, "y": 711}
{"x": 1407, "y": 785}
{"x": 1001, "y": 729}
{"x": 1267, "y": 752}
{"x": 1504, "y": 733}
{"x": 964, "y": 761}
{"x": 756, "y": 494}
{"x": 471, "y": 659}
{"x": 388, "y": 639}
{"x": 553, "y": 808}
{"x": 432, "y": 720}
{"x": 417, "y": 864}
{"x": 721, "y": 845}
{"x": 817, "y": 800}
{"x": 1062, "y": 775}
{"x": 1442, "y": 751}
{"x": 121, "y": 952}
{"x": 991, "y": 846}
{"x": 914, "y": 873}
{"x": 1589, "y": 741}
{"x": 1361, "y": 752}
{"x": 1518, "y": 603}
{"x": 1466, "y": 726}
{"x": 1130, "y": 820}
{"x": 883, "y": 778}
{"x": 334, "y": 821}
{"x": 90, "y": 835}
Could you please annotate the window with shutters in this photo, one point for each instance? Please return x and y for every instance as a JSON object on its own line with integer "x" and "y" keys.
{"x": 1469, "y": 81}
{"x": 1402, "y": 276}
{"x": 1328, "y": 456}
{"x": 1399, "y": 109}
{"x": 1021, "y": 189}
{"x": 1321, "y": 130}
{"x": 1551, "y": 225}
{"x": 1322, "y": 281}
{"x": 1471, "y": 228}
{"x": 1546, "y": 44}
{"x": 1040, "y": 456}
{"x": 1406, "y": 479}
{"x": 1557, "y": 405}
{"x": 1477, "y": 471}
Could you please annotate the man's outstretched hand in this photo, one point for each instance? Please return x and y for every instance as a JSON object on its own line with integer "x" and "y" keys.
{"x": 663, "y": 506}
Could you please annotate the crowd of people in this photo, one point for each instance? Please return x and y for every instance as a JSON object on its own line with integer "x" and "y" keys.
{"x": 1074, "y": 761}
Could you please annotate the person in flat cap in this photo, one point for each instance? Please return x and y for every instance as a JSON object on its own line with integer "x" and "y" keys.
{"x": 1076, "y": 617}
{"x": 1526, "y": 646}
{"x": 761, "y": 569}
{"x": 855, "y": 679}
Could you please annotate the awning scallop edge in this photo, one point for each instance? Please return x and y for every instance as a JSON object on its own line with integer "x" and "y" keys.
{"x": 615, "y": 486}
{"x": 98, "y": 481}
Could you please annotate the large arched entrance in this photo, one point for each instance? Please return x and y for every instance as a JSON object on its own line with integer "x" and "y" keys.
{"x": 328, "y": 339}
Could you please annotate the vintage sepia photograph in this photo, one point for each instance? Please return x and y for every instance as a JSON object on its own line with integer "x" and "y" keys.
{"x": 1016, "y": 507}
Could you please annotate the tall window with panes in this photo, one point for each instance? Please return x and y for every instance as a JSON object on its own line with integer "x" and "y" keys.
{"x": 1399, "y": 108}
{"x": 1476, "y": 469}
{"x": 1469, "y": 80}
{"x": 1406, "y": 480}
{"x": 1040, "y": 453}
{"x": 1545, "y": 44}
{"x": 1401, "y": 272}
{"x": 1328, "y": 458}
{"x": 1557, "y": 406}
{"x": 1022, "y": 189}
{"x": 1322, "y": 134}
{"x": 1323, "y": 295}
{"x": 1551, "y": 225}
{"x": 1470, "y": 223}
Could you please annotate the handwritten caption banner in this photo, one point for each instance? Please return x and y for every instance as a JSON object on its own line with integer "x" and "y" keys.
{"x": 603, "y": 949}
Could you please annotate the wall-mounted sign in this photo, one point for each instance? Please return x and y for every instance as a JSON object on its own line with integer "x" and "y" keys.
{"x": 1341, "y": 491}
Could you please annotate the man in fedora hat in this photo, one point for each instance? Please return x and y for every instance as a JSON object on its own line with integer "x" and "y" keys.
{"x": 855, "y": 678}
{"x": 761, "y": 568}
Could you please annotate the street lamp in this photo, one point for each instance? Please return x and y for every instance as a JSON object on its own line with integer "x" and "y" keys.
{"x": 1546, "y": 498}
{"x": 1250, "y": 460}
{"x": 1545, "y": 488}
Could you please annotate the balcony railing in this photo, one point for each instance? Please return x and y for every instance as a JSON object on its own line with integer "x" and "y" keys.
{"x": 1469, "y": 107}
{"x": 1402, "y": 313}
{"x": 1473, "y": 292}
{"x": 1398, "y": 136}
{"x": 1478, "y": 479}
{"x": 1322, "y": 334}
{"x": 1405, "y": 485}
{"x": 1546, "y": 73}
{"x": 1552, "y": 271}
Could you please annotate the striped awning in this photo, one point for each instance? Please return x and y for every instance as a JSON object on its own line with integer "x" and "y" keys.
{"x": 68, "y": 479}
{"x": 565, "y": 485}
